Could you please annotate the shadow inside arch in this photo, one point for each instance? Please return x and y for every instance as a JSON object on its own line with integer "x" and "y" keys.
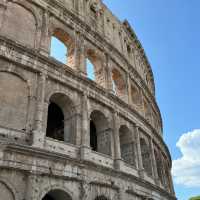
{"x": 57, "y": 195}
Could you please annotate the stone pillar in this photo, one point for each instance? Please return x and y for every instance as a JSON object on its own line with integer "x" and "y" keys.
{"x": 139, "y": 154}
{"x": 129, "y": 89}
{"x": 80, "y": 59}
{"x": 109, "y": 84}
{"x": 45, "y": 39}
{"x": 32, "y": 187}
{"x": 155, "y": 172}
{"x": 117, "y": 150}
{"x": 38, "y": 133}
{"x": 3, "y": 7}
{"x": 85, "y": 139}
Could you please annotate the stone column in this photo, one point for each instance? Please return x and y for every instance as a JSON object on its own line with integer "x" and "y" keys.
{"x": 32, "y": 187}
{"x": 3, "y": 7}
{"x": 139, "y": 154}
{"x": 155, "y": 172}
{"x": 80, "y": 59}
{"x": 45, "y": 39}
{"x": 109, "y": 85}
{"x": 117, "y": 150}
{"x": 38, "y": 133}
{"x": 85, "y": 139}
{"x": 129, "y": 89}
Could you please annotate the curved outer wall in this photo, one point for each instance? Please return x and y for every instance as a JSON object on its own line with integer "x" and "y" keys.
{"x": 130, "y": 159}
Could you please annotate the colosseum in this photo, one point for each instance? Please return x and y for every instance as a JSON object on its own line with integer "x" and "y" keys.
{"x": 64, "y": 136}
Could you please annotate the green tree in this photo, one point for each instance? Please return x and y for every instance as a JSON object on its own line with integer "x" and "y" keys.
{"x": 195, "y": 198}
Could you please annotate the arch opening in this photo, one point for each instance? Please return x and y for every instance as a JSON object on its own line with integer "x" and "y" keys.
{"x": 55, "y": 123}
{"x": 101, "y": 198}
{"x": 63, "y": 47}
{"x": 146, "y": 159}
{"x": 93, "y": 136}
{"x": 90, "y": 70}
{"x": 118, "y": 84}
{"x": 135, "y": 96}
{"x": 159, "y": 165}
{"x": 100, "y": 134}
{"x": 61, "y": 119}
{"x": 127, "y": 145}
{"x": 94, "y": 67}
{"x": 57, "y": 195}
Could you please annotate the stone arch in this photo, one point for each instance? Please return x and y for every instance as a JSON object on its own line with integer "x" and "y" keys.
{"x": 147, "y": 111}
{"x": 68, "y": 41}
{"x": 127, "y": 145}
{"x": 14, "y": 100}
{"x": 32, "y": 9}
{"x": 57, "y": 187}
{"x": 159, "y": 165}
{"x": 146, "y": 156}
{"x": 57, "y": 194}
{"x": 119, "y": 84}
{"x": 101, "y": 197}
{"x": 135, "y": 95}
{"x": 20, "y": 24}
{"x": 7, "y": 191}
{"x": 64, "y": 129}
{"x": 97, "y": 61}
{"x": 100, "y": 131}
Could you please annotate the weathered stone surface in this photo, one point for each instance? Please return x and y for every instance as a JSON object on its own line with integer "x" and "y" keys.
{"x": 63, "y": 136}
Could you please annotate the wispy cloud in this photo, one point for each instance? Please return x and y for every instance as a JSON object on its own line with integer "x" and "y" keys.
{"x": 186, "y": 170}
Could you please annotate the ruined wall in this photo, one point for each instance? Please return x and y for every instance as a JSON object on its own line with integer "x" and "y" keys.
{"x": 120, "y": 102}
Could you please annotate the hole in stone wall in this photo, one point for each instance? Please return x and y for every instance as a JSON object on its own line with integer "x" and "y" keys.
{"x": 93, "y": 136}
{"x": 100, "y": 138}
{"x": 48, "y": 197}
{"x": 57, "y": 195}
{"x": 146, "y": 159}
{"x": 55, "y": 123}
{"x": 127, "y": 145}
{"x": 63, "y": 47}
{"x": 90, "y": 70}
{"x": 58, "y": 50}
{"x": 118, "y": 84}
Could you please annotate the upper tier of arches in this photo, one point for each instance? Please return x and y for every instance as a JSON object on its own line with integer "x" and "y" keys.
{"x": 112, "y": 70}
{"x": 98, "y": 21}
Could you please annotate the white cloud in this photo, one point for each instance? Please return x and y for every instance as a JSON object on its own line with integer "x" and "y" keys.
{"x": 186, "y": 170}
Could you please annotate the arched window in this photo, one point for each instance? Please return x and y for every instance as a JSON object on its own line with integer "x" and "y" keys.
{"x": 101, "y": 198}
{"x": 58, "y": 50}
{"x": 127, "y": 145}
{"x": 135, "y": 96}
{"x": 128, "y": 50}
{"x": 90, "y": 70}
{"x": 146, "y": 159}
{"x": 93, "y": 136}
{"x": 119, "y": 86}
{"x": 55, "y": 123}
{"x": 147, "y": 111}
{"x": 94, "y": 67}
{"x": 100, "y": 134}
{"x": 159, "y": 165}
{"x": 63, "y": 48}
{"x": 57, "y": 195}
{"x": 61, "y": 119}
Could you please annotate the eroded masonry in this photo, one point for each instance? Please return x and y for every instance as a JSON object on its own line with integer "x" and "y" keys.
{"x": 62, "y": 135}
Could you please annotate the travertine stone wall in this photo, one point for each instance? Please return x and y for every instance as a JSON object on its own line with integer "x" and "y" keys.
{"x": 131, "y": 160}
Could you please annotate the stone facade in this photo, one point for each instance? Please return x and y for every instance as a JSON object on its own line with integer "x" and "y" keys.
{"x": 62, "y": 135}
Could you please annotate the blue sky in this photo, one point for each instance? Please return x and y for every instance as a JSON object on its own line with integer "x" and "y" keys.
{"x": 169, "y": 31}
